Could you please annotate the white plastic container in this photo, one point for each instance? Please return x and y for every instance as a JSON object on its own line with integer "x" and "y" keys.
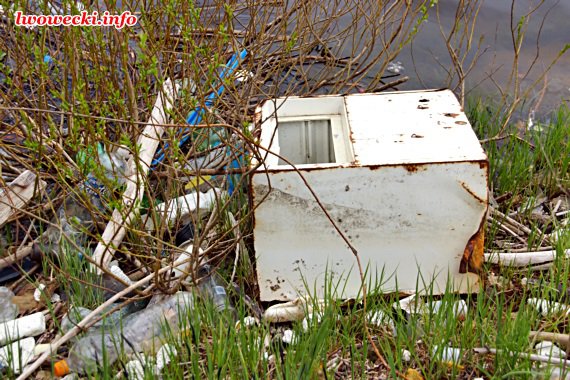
{"x": 401, "y": 174}
{"x": 16, "y": 355}
{"x": 30, "y": 325}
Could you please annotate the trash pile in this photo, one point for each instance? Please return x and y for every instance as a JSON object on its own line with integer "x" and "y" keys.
{"x": 68, "y": 245}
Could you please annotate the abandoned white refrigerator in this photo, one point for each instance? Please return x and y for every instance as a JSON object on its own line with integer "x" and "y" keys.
{"x": 403, "y": 177}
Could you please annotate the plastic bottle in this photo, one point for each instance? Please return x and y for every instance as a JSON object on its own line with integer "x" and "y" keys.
{"x": 211, "y": 287}
{"x": 139, "y": 332}
{"x": 8, "y": 310}
{"x": 73, "y": 217}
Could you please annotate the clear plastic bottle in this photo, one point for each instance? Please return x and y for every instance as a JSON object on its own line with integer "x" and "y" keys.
{"x": 8, "y": 310}
{"x": 211, "y": 287}
{"x": 73, "y": 217}
{"x": 142, "y": 331}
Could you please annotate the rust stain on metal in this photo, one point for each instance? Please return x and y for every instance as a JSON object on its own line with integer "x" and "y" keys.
{"x": 472, "y": 193}
{"x": 473, "y": 257}
{"x": 451, "y": 114}
{"x": 460, "y": 122}
{"x": 412, "y": 168}
{"x": 422, "y": 107}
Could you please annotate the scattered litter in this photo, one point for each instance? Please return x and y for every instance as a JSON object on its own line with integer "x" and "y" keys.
{"x": 18, "y": 193}
{"x": 289, "y": 311}
{"x": 8, "y": 310}
{"x": 181, "y": 207}
{"x": 17, "y": 354}
{"x": 38, "y": 292}
{"x": 289, "y": 337}
{"x": 459, "y": 308}
{"x": 449, "y": 355}
{"x": 247, "y": 321}
{"x": 211, "y": 286}
{"x": 522, "y": 259}
{"x": 549, "y": 349}
{"x": 41, "y": 348}
{"x": 310, "y": 321}
{"x": 183, "y": 263}
{"x": 415, "y": 305}
{"x": 135, "y": 368}
{"x": 546, "y": 307}
{"x": 395, "y": 67}
{"x": 562, "y": 339}
{"x": 406, "y": 356}
{"x": 118, "y": 272}
{"x": 68, "y": 232}
{"x": 143, "y": 330}
{"x": 164, "y": 356}
{"x": 379, "y": 318}
{"x": 28, "y": 326}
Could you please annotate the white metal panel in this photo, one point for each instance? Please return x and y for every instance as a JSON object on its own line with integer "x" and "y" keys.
{"x": 402, "y": 223}
{"x": 410, "y": 127}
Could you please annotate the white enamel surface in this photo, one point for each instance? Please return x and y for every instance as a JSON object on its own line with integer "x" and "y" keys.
{"x": 409, "y": 206}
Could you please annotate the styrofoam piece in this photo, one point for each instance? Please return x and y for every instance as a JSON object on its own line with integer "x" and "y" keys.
{"x": 406, "y": 356}
{"x": 118, "y": 272}
{"x": 289, "y": 337}
{"x": 410, "y": 304}
{"x": 247, "y": 321}
{"x": 459, "y": 308}
{"x": 38, "y": 292}
{"x": 379, "y": 318}
{"x": 16, "y": 355}
{"x": 546, "y": 307}
{"x": 310, "y": 321}
{"x": 403, "y": 177}
{"x": 546, "y": 348}
{"x": 164, "y": 356}
{"x": 415, "y": 305}
{"x": 560, "y": 374}
{"x": 448, "y": 354}
{"x": 135, "y": 369}
{"x": 30, "y": 325}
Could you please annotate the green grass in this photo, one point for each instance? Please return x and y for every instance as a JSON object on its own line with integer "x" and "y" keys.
{"x": 497, "y": 316}
{"x": 525, "y": 167}
{"x": 336, "y": 343}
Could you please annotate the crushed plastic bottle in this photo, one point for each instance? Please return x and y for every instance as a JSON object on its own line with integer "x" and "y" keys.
{"x": 73, "y": 218}
{"x": 8, "y": 310}
{"x": 76, "y": 314}
{"x": 142, "y": 331}
{"x": 211, "y": 287}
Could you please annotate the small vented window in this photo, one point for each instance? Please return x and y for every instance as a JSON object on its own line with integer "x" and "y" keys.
{"x": 306, "y": 142}
{"x": 318, "y": 140}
